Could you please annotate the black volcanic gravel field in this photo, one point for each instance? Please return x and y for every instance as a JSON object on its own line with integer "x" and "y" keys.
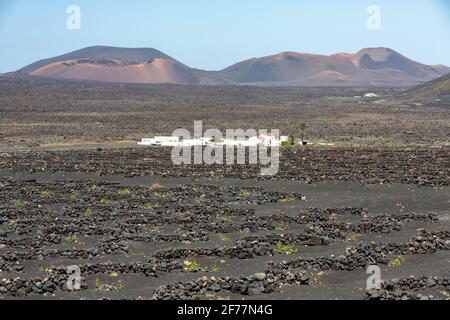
{"x": 140, "y": 228}
{"x": 427, "y": 167}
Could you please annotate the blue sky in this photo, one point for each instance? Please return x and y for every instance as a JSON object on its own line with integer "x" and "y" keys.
{"x": 213, "y": 34}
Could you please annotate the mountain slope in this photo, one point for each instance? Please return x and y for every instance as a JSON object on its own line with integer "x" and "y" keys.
{"x": 101, "y": 63}
{"x": 368, "y": 66}
{"x": 433, "y": 93}
{"x": 372, "y": 66}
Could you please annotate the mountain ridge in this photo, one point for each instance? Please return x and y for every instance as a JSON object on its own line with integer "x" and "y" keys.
{"x": 368, "y": 66}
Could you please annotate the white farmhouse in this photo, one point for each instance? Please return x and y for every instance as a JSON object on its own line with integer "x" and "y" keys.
{"x": 171, "y": 141}
{"x": 160, "y": 141}
{"x": 370, "y": 95}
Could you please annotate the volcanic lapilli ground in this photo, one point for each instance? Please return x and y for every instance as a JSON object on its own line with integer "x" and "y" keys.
{"x": 49, "y": 113}
{"x": 191, "y": 238}
{"x": 139, "y": 227}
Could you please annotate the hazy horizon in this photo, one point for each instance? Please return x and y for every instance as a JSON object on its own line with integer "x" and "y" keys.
{"x": 215, "y": 35}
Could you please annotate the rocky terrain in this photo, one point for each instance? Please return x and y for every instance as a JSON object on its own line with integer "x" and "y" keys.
{"x": 45, "y": 113}
{"x": 139, "y": 231}
{"x": 423, "y": 167}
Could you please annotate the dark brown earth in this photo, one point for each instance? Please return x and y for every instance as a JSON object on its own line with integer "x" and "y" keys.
{"x": 66, "y": 114}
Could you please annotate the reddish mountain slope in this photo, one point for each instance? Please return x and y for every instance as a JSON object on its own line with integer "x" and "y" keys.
{"x": 115, "y": 65}
{"x": 370, "y": 66}
{"x": 374, "y": 66}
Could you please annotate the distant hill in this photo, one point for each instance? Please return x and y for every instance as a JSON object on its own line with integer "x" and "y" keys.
{"x": 111, "y": 64}
{"x": 433, "y": 93}
{"x": 372, "y": 66}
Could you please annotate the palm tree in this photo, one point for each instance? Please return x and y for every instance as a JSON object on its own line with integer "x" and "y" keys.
{"x": 302, "y": 127}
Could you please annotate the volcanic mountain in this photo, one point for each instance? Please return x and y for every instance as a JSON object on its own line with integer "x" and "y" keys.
{"x": 112, "y": 64}
{"x": 373, "y": 66}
